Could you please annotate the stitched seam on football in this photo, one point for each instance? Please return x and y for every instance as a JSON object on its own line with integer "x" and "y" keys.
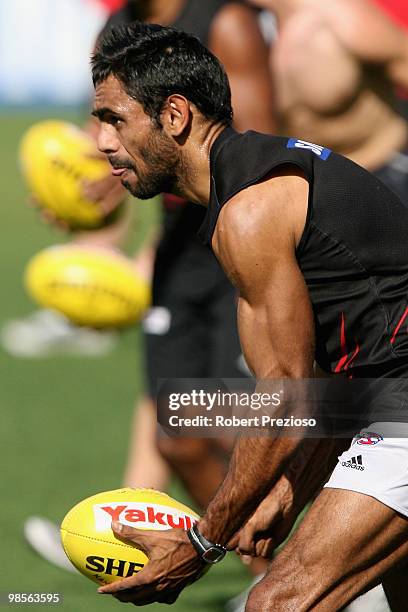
{"x": 94, "y": 539}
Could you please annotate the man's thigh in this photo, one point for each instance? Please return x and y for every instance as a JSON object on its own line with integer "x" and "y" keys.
{"x": 345, "y": 544}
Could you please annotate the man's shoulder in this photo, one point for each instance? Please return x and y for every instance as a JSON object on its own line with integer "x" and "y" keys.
{"x": 239, "y": 160}
{"x": 270, "y": 205}
{"x": 230, "y": 141}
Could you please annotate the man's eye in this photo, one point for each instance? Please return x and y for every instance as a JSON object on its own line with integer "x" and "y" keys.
{"x": 115, "y": 121}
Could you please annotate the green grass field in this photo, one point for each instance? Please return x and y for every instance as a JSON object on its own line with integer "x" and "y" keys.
{"x": 65, "y": 421}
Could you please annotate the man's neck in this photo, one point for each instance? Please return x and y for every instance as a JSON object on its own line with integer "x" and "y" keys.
{"x": 195, "y": 178}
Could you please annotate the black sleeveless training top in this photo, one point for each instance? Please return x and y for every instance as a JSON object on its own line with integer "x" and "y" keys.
{"x": 353, "y": 253}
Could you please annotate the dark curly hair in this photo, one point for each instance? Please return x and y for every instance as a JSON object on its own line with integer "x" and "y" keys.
{"x": 152, "y": 62}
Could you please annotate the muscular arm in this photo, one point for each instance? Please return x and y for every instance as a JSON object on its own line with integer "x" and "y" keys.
{"x": 255, "y": 241}
{"x": 235, "y": 38}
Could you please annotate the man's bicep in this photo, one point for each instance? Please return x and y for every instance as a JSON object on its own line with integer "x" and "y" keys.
{"x": 255, "y": 240}
{"x": 276, "y": 323}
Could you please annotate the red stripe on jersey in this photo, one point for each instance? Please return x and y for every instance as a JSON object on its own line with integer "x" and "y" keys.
{"x": 343, "y": 345}
{"x": 400, "y": 322}
{"x": 352, "y": 358}
{"x": 345, "y": 361}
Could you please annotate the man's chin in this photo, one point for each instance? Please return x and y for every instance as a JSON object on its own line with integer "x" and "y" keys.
{"x": 138, "y": 192}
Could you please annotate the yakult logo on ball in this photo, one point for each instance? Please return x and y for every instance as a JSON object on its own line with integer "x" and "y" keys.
{"x": 141, "y": 515}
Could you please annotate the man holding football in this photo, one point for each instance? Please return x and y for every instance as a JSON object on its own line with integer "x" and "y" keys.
{"x": 317, "y": 249}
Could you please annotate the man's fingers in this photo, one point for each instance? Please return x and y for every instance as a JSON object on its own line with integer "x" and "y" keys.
{"x": 265, "y": 547}
{"x": 139, "y": 589}
{"x": 246, "y": 541}
{"x": 173, "y": 564}
{"x": 233, "y": 543}
{"x": 137, "y": 536}
{"x": 143, "y": 538}
{"x": 140, "y": 580}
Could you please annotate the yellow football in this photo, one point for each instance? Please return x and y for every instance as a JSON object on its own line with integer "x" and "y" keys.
{"x": 88, "y": 539}
{"x": 96, "y": 287}
{"x": 56, "y": 157}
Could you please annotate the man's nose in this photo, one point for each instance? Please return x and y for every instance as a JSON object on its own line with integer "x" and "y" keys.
{"x": 107, "y": 140}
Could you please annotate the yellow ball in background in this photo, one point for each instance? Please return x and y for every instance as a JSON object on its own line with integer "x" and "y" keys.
{"x": 91, "y": 286}
{"x": 92, "y": 547}
{"x": 55, "y": 160}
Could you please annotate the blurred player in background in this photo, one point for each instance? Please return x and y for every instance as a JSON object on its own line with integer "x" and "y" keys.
{"x": 190, "y": 332}
{"x": 336, "y": 82}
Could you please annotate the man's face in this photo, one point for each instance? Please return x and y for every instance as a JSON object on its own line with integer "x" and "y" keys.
{"x": 140, "y": 152}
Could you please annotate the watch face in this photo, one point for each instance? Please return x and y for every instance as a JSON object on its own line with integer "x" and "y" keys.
{"x": 213, "y": 555}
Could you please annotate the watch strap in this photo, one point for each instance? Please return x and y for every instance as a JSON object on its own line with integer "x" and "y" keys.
{"x": 207, "y": 551}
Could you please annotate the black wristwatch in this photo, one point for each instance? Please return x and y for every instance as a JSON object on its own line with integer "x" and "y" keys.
{"x": 207, "y": 551}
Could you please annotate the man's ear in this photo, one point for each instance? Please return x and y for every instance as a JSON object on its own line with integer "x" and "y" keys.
{"x": 176, "y": 115}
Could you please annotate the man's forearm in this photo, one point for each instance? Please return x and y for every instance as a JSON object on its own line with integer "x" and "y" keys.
{"x": 308, "y": 471}
{"x": 256, "y": 465}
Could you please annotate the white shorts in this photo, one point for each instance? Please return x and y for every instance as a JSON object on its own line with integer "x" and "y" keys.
{"x": 376, "y": 464}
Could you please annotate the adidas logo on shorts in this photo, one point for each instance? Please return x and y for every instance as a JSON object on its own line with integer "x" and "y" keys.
{"x": 354, "y": 462}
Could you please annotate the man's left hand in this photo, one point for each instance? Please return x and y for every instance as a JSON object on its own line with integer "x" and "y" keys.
{"x": 269, "y": 525}
{"x": 173, "y": 564}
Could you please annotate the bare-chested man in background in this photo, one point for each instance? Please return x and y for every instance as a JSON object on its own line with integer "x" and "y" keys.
{"x": 336, "y": 67}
